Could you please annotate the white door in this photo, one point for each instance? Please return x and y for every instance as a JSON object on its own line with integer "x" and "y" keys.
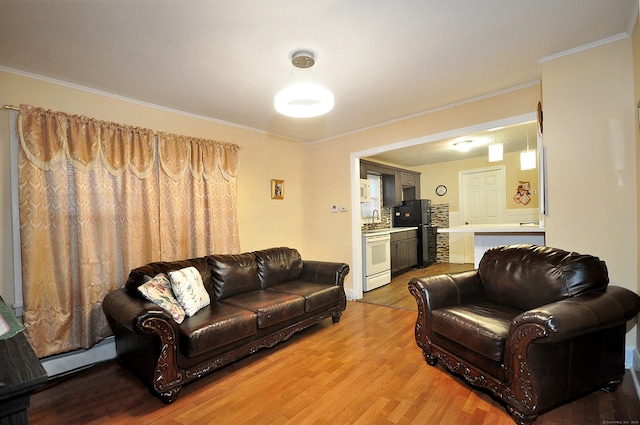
{"x": 482, "y": 200}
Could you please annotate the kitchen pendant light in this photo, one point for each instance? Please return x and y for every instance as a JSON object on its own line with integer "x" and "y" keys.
{"x": 528, "y": 157}
{"x": 495, "y": 150}
{"x": 303, "y": 99}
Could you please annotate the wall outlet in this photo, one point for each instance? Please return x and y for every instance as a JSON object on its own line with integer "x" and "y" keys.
{"x": 334, "y": 209}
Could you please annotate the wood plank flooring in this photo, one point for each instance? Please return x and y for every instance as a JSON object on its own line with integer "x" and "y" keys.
{"x": 366, "y": 369}
{"x": 396, "y": 294}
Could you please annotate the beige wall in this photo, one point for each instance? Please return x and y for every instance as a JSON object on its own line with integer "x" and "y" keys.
{"x": 590, "y": 120}
{"x": 263, "y": 222}
{"x": 447, "y": 173}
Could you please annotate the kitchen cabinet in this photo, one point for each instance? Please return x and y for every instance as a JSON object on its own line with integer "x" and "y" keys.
{"x": 391, "y": 190}
{"x": 397, "y": 184}
{"x": 410, "y": 183}
{"x": 404, "y": 250}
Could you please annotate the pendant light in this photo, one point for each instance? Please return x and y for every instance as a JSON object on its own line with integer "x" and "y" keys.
{"x": 304, "y": 99}
{"x": 495, "y": 150}
{"x": 528, "y": 157}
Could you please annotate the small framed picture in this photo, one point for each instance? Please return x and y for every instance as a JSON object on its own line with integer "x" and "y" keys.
{"x": 277, "y": 189}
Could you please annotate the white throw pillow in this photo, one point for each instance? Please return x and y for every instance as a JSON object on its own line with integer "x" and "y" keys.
{"x": 189, "y": 290}
{"x": 158, "y": 290}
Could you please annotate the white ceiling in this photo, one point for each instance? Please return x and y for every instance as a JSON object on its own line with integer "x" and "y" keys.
{"x": 226, "y": 59}
{"x": 514, "y": 138}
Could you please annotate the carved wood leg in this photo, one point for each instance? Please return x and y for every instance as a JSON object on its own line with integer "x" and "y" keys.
{"x": 430, "y": 358}
{"x": 611, "y": 386}
{"x": 520, "y": 418}
{"x": 169, "y": 396}
{"x": 336, "y": 317}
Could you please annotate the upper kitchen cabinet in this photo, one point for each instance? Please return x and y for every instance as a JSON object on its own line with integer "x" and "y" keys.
{"x": 397, "y": 184}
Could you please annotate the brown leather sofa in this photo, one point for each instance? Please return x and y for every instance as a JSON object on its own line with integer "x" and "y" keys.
{"x": 258, "y": 299}
{"x": 536, "y": 326}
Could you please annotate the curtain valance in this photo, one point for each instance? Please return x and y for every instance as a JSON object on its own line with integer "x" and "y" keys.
{"x": 48, "y": 136}
{"x": 200, "y": 157}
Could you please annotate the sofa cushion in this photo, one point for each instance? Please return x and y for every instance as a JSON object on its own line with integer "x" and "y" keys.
{"x": 215, "y": 326}
{"x": 277, "y": 265}
{"x": 316, "y": 295}
{"x": 482, "y": 327}
{"x": 233, "y": 274}
{"x": 189, "y": 290}
{"x": 140, "y": 275}
{"x": 270, "y": 306}
{"x": 158, "y": 291}
{"x": 528, "y": 276}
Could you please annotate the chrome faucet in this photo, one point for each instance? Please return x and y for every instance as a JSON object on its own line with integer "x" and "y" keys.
{"x": 373, "y": 216}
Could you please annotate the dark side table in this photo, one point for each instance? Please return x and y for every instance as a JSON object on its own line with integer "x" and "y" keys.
{"x": 20, "y": 374}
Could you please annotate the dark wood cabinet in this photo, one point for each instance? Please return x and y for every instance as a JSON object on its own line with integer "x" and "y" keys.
{"x": 404, "y": 250}
{"x": 397, "y": 184}
{"x": 20, "y": 374}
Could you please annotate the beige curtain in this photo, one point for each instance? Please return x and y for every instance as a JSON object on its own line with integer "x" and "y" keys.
{"x": 199, "y": 196}
{"x": 93, "y": 205}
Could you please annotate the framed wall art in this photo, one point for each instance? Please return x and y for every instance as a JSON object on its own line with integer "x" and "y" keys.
{"x": 277, "y": 189}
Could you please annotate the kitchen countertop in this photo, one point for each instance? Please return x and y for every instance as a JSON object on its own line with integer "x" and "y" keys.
{"x": 495, "y": 228}
{"x": 387, "y": 231}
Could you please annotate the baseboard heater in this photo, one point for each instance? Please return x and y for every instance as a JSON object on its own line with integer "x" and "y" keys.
{"x": 63, "y": 364}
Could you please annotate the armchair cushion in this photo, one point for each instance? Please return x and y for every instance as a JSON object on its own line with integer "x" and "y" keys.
{"x": 482, "y": 327}
{"x": 506, "y": 271}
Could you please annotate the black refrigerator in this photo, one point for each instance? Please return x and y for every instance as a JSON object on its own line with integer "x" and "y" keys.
{"x": 417, "y": 213}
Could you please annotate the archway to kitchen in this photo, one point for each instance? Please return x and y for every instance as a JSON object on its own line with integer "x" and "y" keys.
{"x": 357, "y": 246}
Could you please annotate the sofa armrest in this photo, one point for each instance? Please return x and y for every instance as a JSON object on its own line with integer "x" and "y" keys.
{"x": 582, "y": 314}
{"x": 447, "y": 289}
{"x": 324, "y": 272}
{"x": 131, "y": 311}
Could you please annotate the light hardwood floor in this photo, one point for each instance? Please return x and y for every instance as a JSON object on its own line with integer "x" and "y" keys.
{"x": 396, "y": 294}
{"x": 366, "y": 369}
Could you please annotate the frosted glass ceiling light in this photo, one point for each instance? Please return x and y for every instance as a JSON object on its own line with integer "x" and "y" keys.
{"x": 306, "y": 99}
{"x": 495, "y": 149}
{"x": 528, "y": 158}
{"x": 495, "y": 152}
{"x": 463, "y": 146}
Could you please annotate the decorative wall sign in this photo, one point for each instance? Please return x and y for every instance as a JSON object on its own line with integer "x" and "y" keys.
{"x": 277, "y": 189}
{"x": 523, "y": 193}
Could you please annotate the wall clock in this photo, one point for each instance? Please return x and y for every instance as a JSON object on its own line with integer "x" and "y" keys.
{"x": 441, "y": 190}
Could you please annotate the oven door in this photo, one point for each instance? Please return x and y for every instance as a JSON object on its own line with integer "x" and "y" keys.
{"x": 377, "y": 254}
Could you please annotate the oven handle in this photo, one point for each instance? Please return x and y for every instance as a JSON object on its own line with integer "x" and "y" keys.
{"x": 378, "y": 238}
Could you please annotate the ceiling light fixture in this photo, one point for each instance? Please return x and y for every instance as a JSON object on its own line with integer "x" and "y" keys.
{"x": 463, "y": 145}
{"x": 528, "y": 157}
{"x": 304, "y": 99}
{"x": 495, "y": 150}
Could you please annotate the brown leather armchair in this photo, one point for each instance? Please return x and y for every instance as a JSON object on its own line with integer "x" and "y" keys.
{"x": 534, "y": 325}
